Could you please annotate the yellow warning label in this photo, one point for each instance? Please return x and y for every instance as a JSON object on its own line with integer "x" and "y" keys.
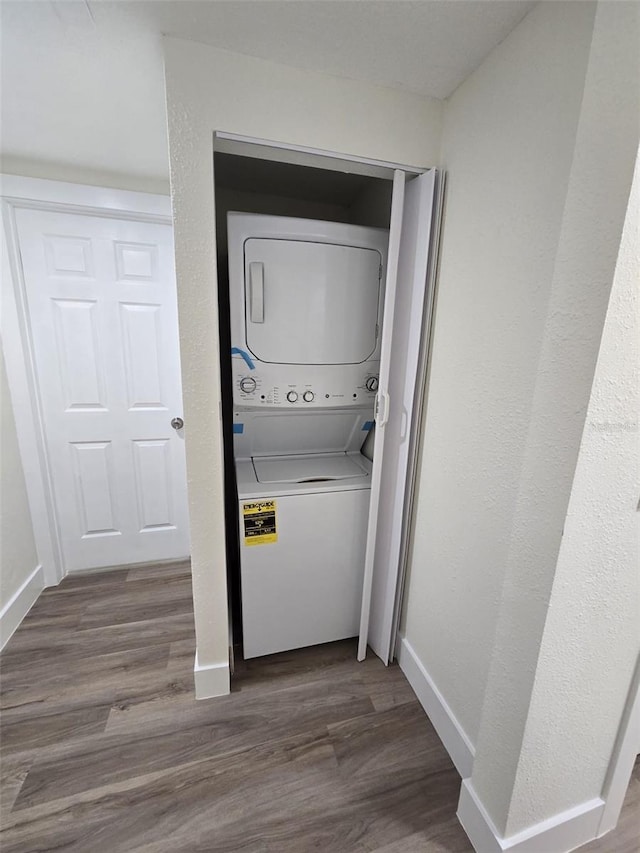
{"x": 259, "y": 521}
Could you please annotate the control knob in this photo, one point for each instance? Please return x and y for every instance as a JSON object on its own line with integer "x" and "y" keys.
{"x": 371, "y": 383}
{"x": 292, "y": 396}
{"x": 308, "y": 396}
{"x": 247, "y": 384}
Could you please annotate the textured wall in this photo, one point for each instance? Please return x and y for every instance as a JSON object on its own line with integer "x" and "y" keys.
{"x": 592, "y": 640}
{"x": 508, "y": 142}
{"x": 592, "y": 636}
{"x": 18, "y": 557}
{"x": 521, "y": 699}
{"x": 207, "y": 90}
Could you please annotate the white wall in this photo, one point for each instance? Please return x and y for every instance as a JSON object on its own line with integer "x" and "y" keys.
{"x": 82, "y": 91}
{"x": 593, "y": 622}
{"x": 208, "y": 90}
{"x": 18, "y": 557}
{"x": 76, "y": 174}
{"x": 508, "y": 141}
{"x": 540, "y": 145}
{"x": 589, "y": 240}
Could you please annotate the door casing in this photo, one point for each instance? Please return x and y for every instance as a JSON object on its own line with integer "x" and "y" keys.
{"x": 282, "y": 152}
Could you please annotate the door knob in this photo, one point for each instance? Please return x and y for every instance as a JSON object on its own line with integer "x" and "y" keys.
{"x": 177, "y": 423}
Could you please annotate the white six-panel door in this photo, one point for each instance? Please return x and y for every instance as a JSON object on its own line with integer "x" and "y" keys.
{"x": 102, "y": 317}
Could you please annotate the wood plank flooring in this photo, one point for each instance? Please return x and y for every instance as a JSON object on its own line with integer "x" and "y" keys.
{"x": 104, "y": 747}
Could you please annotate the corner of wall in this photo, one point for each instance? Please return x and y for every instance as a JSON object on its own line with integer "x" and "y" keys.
{"x": 454, "y": 738}
{"x": 561, "y": 833}
{"x": 16, "y": 608}
{"x": 211, "y": 680}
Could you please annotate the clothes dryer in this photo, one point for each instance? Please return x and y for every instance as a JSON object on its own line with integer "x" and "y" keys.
{"x": 306, "y": 302}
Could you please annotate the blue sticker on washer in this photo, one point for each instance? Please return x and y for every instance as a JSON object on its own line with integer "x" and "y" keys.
{"x": 367, "y": 426}
{"x": 238, "y": 429}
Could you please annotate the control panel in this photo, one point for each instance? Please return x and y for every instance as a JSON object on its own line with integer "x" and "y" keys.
{"x": 296, "y": 387}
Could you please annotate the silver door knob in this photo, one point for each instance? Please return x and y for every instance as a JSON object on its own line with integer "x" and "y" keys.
{"x": 177, "y": 423}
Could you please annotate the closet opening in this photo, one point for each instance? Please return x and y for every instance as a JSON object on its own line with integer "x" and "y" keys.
{"x": 257, "y": 186}
{"x": 321, "y": 289}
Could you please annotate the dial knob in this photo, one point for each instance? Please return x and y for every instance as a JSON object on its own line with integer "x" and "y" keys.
{"x": 372, "y": 383}
{"x": 247, "y": 384}
{"x": 308, "y": 396}
{"x": 292, "y": 396}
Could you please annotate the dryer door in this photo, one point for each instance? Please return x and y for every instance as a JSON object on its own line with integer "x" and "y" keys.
{"x": 311, "y": 303}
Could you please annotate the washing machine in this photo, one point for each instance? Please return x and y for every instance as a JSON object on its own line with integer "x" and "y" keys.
{"x": 303, "y": 526}
{"x": 306, "y": 303}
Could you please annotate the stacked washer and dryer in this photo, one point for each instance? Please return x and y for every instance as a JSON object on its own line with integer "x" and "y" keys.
{"x": 306, "y": 303}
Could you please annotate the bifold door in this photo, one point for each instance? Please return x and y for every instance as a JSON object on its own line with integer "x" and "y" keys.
{"x": 102, "y": 318}
{"x": 406, "y": 291}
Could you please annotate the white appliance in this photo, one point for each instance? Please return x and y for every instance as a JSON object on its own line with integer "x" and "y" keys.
{"x": 306, "y": 307}
{"x": 302, "y": 577}
{"x": 306, "y": 303}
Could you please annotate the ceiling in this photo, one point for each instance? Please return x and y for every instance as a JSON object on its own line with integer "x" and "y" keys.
{"x": 82, "y": 82}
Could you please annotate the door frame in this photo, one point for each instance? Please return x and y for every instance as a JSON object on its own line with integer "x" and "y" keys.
{"x": 275, "y": 151}
{"x": 625, "y": 751}
{"x": 300, "y": 155}
{"x": 53, "y": 196}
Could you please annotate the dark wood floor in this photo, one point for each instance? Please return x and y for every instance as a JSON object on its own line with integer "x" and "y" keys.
{"x": 105, "y": 749}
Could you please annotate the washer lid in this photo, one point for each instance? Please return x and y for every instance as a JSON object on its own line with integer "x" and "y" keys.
{"x": 307, "y": 469}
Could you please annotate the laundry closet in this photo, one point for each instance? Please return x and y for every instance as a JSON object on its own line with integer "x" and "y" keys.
{"x": 324, "y": 315}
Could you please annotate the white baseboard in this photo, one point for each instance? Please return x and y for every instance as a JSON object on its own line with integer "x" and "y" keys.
{"x": 211, "y": 680}
{"x": 20, "y": 604}
{"x": 449, "y": 730}
{"x": 559, "y": 834}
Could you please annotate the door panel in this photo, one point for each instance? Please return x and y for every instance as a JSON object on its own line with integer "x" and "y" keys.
{"x": 136, "y": 261}
{"x": 152, "y": 464}
{"x": 411, "y": 233}
{"x": 102, "y": 313}
{"x": 142, "y": 358}
{"x": 95, "y": 479}
{"x": 68, "y": 256}
{"x": 80, "y": 370}
{"x": 382, "y": 406}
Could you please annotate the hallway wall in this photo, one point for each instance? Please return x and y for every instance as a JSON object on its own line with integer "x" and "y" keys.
{"x": 508, "y": 142}
{"x": 18, "y": 556}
